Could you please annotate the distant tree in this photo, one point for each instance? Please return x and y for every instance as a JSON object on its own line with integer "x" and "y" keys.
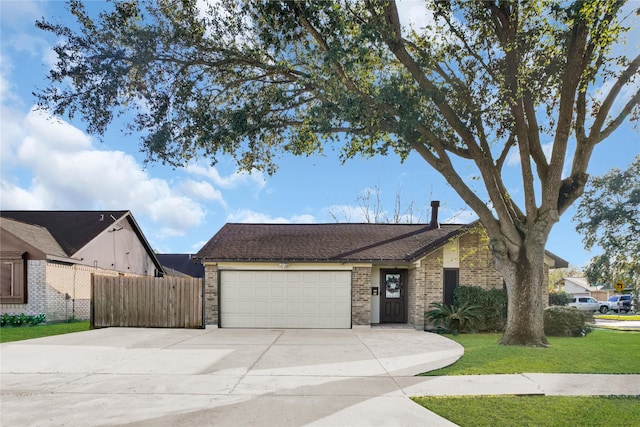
{"x": 479, "y": 80}
{"x": 373, "y": 210}
{"x": 608, "y": 216}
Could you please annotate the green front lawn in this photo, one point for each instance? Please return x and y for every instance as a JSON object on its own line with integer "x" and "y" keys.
{"x": 8, "y": 334}
{"x": 548, "y": 411}
{"x": 600, "y": 352}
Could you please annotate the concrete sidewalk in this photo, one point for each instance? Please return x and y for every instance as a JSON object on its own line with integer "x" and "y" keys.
{"x": 524, "y": 384}
{"x": 223, "y": 377}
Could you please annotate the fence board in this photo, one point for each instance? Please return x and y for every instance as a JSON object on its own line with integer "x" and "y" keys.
{"x": 166, "y": 302}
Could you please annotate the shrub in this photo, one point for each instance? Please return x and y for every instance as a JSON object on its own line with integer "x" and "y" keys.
{"x": 558, "y": 298}
{"x": 21, "y": 319}
{"x": 565, "y": 322}
{"x": 454, "y": 318}
{"x": 492, "y": 305}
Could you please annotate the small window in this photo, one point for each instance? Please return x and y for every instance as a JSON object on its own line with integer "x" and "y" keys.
{"x": 13, "y": 278}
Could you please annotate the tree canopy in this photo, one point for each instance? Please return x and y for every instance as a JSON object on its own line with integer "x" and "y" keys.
{"x": 476, "y": 82}
{"x": 608, "y": 216}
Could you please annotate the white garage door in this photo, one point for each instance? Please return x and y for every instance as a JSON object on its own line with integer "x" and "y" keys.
{"x": 285, "y": 299}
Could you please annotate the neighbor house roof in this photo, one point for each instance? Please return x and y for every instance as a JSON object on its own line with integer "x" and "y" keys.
{"x": 73, "y": 230}
{"x": 580, "y": 282}
{"x": 34, "y": 235}
{"x": 182, "y": 263}
{"x": 336, "y": 242}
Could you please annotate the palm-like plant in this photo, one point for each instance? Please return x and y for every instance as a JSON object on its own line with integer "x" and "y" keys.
{"x": 454, "y": 318}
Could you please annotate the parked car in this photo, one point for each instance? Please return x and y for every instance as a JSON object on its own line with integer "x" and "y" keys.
{"x": 616, "y": 303}
{"x": 584, "y": 303}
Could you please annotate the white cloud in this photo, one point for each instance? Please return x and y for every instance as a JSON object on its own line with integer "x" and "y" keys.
{"x": 202, "y": 190}
{"x": 414, "y": 13}
{"x": 250, "y": 216}
{"x": 236, "y": 179}
{"x": 14, "y": 14}
{"x": 68, "y": 172}
{"x": 14, "y": 198}
{"x": 346, "y": 213}
{"x": 463, "y": 216}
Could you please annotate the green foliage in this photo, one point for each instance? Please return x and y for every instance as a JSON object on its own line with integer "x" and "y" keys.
{"x": 565, "y": 322}
{"x": 559, "y": 298}
{"x": 22, "y": 319}
{"x": 608, "y": 216}
{"x": 491, "y": 303}
{"x": 548, "y": 411}
{"x": 455, "y": 318}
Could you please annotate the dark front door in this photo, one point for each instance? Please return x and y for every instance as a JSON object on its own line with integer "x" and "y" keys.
{"x": 450, "y": 283}
{"x": 393, "y": 299}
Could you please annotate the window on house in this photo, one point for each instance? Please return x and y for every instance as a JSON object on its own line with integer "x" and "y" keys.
{"x": 13, "y": 278}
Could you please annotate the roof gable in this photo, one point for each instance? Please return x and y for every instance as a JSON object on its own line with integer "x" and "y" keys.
{"x": 579, "y": 282}
{"x": 71, "y": 229}
{"x": 33, "y": 235}
{"x": 183, "y": 263}
{"x": 338, "y": 242}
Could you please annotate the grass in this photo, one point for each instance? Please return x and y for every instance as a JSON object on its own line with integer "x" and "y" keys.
{"x": 8, "y": 334}
{"x": 548, "y": 411}
{"x": 600, "y": 352}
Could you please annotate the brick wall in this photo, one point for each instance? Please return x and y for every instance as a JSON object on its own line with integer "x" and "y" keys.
{"x": 428, "y": 286}
{"x": 476, "y": 262}
{"x": 36, "y": 291}
{"x": 361, "y": 295}
{"x": 61, "y": 292}
{"x": 211, "y": 294}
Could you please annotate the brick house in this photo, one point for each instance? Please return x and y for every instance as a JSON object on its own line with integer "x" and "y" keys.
{"x": 47, "y": 258}
{"x": 341, "y": 274}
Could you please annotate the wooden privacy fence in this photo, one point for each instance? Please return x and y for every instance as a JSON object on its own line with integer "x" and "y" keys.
{"x": 149, "y": 302}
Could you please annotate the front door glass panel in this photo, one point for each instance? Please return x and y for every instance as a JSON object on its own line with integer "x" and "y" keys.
{"x": 393, "y": 286}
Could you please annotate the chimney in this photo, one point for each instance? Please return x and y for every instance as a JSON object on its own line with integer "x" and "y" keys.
{"x": 434, "y": 214}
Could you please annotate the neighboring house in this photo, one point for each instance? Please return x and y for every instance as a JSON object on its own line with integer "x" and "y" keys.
{"x": 579, "y": 287}
{"x": 576, "y": 286}
{"x": 181, "y": 265}
{"x": 47, "y": 258}
{"x": 342, "y": 274}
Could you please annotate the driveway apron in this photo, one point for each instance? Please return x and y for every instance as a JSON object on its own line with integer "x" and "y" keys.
{"x": 221, "y": 377}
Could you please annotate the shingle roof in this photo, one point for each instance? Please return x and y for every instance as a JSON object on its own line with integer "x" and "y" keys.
{"x": 35, "y": 235}
{"x": 71, "y": 229}
{"x": 183, "y": 263}
{"x": 337, "y": 242}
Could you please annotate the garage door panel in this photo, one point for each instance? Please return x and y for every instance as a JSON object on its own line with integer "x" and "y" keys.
{"x": 278, "y": 291}
{"x": 285, "y": 299}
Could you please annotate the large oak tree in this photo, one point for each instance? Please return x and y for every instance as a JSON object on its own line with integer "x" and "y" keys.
{"x": 480, "y": 80}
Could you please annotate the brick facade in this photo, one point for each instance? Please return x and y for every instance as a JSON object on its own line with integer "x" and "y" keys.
{"x": 476, "y": 263}
{"x": 211, "y": 294}
{"x": 60, "y": 292}
{"x": 425, "y": 282}
{"x": 361, "y": 295}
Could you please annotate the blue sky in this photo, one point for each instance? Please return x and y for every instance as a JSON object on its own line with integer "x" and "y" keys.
{"x": 51, "y": 163}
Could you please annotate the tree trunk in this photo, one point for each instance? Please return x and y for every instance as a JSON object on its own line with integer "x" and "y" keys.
{"x": 524, "y": 279}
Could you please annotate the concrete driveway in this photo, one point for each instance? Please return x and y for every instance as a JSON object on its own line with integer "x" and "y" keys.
{"x": 221, "y": 377}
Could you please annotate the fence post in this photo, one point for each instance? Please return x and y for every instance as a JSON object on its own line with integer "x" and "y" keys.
{"x": 91, "y": 305}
